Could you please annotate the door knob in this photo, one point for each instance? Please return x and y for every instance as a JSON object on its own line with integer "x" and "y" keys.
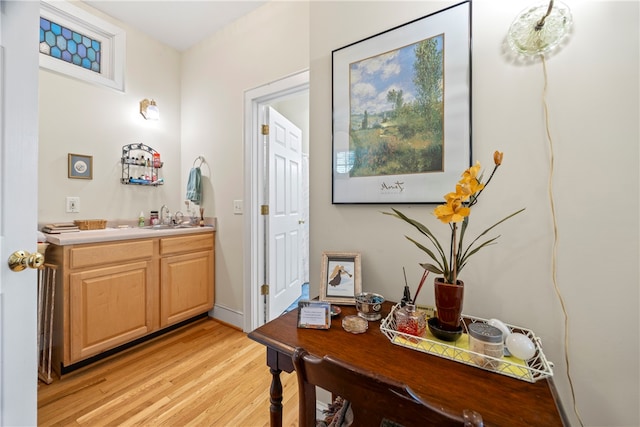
{"x": 19, "y": 260}
{"x": 301, "y": 221}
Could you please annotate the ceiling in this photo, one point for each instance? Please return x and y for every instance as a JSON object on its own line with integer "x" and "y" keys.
{"x": 177, "y": 23}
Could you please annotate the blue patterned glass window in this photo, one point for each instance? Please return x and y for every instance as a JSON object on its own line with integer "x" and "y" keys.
{"x": 69, "y": 46}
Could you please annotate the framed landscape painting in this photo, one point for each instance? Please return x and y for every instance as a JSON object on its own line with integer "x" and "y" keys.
{"x": 401, "y": 111}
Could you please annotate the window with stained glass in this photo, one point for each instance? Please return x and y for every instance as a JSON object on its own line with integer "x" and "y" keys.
{"x": 70, "y": 46}
{"x": 76, "y": 43}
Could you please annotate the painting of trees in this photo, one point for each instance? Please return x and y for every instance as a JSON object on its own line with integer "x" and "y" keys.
{"x": 397, "y": 111}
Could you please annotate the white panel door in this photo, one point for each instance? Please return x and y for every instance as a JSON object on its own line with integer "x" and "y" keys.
{"x": 18, "y": 210}
{"x": 285, "y": 198}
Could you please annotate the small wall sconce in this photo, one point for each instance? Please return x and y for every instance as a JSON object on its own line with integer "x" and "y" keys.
{"x": 149, "y": 109}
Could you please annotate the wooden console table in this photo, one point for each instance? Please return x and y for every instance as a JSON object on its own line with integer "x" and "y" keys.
{"x": 501, "y": 400}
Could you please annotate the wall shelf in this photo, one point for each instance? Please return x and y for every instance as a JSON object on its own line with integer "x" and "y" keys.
{"x": 141, "y": 165}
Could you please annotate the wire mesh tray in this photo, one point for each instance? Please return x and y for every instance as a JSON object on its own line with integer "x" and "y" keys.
{"x": 531, "y": 370}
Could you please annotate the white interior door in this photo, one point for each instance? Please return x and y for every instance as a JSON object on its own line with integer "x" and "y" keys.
{"x": 255, "y": 242}
{"x": 285, "y": 219}
{"x": 18, "y": 210}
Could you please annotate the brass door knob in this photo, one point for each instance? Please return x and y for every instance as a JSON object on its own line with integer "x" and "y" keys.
{"x": 19, "y": 260}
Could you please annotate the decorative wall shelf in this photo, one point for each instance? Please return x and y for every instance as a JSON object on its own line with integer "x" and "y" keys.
{"x": 141, "y": 165}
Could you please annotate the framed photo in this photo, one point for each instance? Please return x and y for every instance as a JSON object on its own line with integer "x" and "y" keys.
{"x": 341, "y": 280}
{"x": 80, "y": 166}
{"x": 314, "y": 314}
{"x": 401, "y": 111}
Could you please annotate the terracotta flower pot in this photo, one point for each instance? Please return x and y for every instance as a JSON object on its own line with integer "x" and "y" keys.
{"x": 449, "y": 298}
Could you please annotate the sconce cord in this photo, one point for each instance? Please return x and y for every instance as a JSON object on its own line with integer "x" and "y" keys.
{"x": 540, "y": 23}
{"x": 555, "y": 238}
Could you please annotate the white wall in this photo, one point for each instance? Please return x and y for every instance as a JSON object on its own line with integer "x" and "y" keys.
{"x": 593, "y": 101}
{"x": 261, "y": 47}
{"x": 78, "y": 117}
{"x": 594, "y": 110}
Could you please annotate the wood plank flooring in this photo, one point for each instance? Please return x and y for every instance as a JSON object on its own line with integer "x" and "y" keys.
{"x": 204, "y": 374}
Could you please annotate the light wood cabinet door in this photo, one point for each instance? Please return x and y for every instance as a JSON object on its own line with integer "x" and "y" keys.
{"x": 109, "y": 306}
{"x": 186, "y": 286}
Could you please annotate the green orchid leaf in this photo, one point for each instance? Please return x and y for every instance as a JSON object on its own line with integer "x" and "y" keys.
{"x": 430, "y": 253}
{"x": 468, "y": 253}
{"x": 432, "y": 268}
{"x": 491, "y": 228}
{"x": 457, "y": 211}
{"x": 421, "y": 228}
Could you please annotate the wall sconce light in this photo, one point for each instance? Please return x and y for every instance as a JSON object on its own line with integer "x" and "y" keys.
{"x": 539, "y": 29}
{"x": 149, "y": 109}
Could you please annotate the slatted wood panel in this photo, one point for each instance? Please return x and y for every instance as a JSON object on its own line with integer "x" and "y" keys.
{"x": 204, "y": 374}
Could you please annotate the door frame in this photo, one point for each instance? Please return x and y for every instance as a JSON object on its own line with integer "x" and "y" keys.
{"x": 253, "y": 241}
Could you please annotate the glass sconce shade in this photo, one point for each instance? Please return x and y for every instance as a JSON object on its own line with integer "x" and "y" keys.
{"x": 149, "y": 109}
{"x": 539, "y": 29}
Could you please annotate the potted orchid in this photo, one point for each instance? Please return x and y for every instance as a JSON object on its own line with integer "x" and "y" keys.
{"x": 455, "y": 212}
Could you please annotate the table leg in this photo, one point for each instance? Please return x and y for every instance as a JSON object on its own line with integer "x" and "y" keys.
{"x": 276, "y": 398}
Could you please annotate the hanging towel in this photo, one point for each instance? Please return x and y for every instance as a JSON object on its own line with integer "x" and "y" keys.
{"x": 194, "y": 188}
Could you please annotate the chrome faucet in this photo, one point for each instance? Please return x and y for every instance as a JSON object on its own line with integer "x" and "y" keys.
{"x": 164, "y": 209}
{"x": 178, "y": 218}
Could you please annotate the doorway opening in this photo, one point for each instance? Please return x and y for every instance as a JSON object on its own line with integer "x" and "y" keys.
{"x": 290, "y": 97}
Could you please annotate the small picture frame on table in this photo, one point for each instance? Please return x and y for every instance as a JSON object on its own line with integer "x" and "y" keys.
{"x": 80, "y": 166}
{"x": 314, "y": 314}
{"x": 341, "y": 277}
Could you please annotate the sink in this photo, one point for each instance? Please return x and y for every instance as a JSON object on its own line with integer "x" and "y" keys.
{"x": 158, "y": 227}
{"x": 167, "y": 226}
{"x": 185, "y": 226}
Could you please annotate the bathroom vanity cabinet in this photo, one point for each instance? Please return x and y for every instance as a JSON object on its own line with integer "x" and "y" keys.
{"x": 109, "y": 294}
{"x": 186, "y": 277}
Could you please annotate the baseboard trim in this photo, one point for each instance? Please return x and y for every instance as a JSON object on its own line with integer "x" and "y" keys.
{"x": 227, "y": 315}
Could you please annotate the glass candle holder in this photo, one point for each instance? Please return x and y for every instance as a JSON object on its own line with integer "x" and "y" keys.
{"x": 411, "y": 321}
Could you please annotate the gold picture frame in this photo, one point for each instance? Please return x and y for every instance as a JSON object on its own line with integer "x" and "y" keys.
{"x": 79, "y": 166}
{"x": 341, "y": 277}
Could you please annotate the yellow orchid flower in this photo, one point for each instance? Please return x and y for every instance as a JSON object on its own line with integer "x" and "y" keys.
{"x": 458, "y": 194}
{"x": 472, "y": 187}
{"x": 470, "y": 174}
{"x": 456, "y": 209}
{"x": 468, "y": 189}
{"x": 452, "y": 211}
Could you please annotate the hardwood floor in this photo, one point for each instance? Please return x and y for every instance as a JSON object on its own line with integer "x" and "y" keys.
{"x": 204, "y": 374}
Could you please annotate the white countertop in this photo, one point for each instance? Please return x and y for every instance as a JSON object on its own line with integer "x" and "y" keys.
{"x": 112, "y": 234}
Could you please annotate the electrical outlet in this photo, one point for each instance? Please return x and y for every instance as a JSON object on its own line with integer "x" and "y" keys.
{"x": 73, "y": 204}
{"x": 237, "y": 207}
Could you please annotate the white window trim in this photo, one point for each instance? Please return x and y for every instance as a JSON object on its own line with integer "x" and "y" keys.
{"x": 113, "y": 41}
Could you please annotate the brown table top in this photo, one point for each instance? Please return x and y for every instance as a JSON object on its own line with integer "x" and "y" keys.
{"x": 501, "y": 400}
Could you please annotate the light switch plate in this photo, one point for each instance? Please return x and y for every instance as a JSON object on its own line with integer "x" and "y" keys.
{"x": 73, "y": 204}
{"x": 237, "y": 207}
